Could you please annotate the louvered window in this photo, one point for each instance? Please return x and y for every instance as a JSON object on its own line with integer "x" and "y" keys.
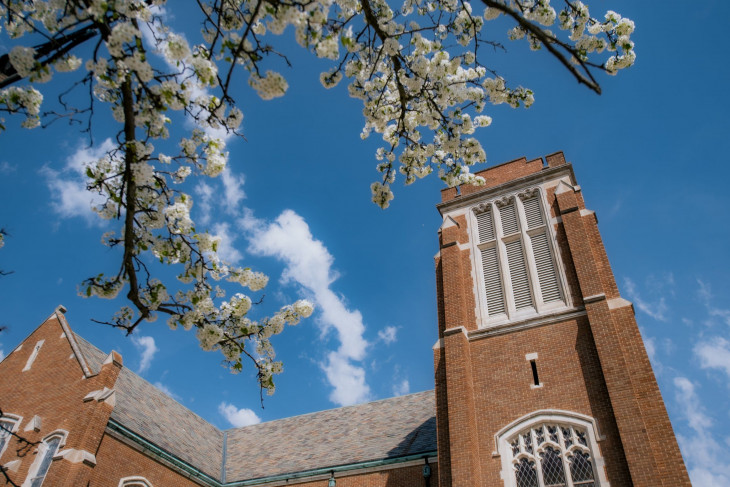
{"x": 517, "y": 260}
{"x": 493, "y": 288}
{"x": 518, "y": 274}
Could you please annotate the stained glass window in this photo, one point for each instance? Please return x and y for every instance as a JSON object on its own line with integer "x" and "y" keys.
{"x": 6, "y": 427}
{"x": 552, "y": 455}
{"x": 526, "y": 473}
{"x": 48, "y": 449}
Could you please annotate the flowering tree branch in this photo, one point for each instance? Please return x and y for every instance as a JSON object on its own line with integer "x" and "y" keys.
{"x": 420, "y": 71}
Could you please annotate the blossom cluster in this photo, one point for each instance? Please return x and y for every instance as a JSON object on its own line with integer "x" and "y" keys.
{"x": 411, "y": 86}
{"x": 418, "y": 71}
{"x": 22, "y": 99}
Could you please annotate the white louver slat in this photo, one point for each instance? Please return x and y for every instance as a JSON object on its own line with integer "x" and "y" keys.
{"x": 485, "y": 226}
{"x": 545, "y": 268}
{"x": 518, "y": 273}
{"x": 492, "y": 281}
{"x": 509, "y": 219}
{"x": 533, "y": 215}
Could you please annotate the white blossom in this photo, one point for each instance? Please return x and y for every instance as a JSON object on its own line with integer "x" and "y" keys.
{"x": 425, "y": 98}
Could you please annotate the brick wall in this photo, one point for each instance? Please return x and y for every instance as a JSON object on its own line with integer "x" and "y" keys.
{"x": 592, "y": 363}
{"x": 53, "y": 389}
{"x": 571, "y": 378}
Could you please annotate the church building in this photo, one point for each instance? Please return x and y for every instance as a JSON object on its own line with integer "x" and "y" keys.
{"x": 541, "y": 379}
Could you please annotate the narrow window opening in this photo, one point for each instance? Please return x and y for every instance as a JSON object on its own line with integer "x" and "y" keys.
{"x": 33, "y": 355}
{"x": 535, "y": 377}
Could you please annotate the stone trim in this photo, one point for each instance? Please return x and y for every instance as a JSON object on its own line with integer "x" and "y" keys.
{"x": 526, "y": 324}
{"x": 59, "y": 313}
{"x": 76, "y": 456}
{"x": 542, "y": 176}
{"x": 102, "y": 395}
{"x": 557, "y": 416}
{"x": 134, "y": 479}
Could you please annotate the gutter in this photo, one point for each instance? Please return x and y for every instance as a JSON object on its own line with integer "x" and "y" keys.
{"x": 147, "y": 447}
{"x": 348, "y": 467}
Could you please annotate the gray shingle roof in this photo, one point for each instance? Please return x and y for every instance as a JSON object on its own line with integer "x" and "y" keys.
{"x": 379, "y": 430}
{"x": 152, "y": 414}
{"x": 390, "y": 428}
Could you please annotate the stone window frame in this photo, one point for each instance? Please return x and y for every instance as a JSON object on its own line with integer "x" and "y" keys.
{"x": 6, "y": 434}
{"x": 539, "y": 307}
{"x": 557, "y": 417}
{"x": 134, "y": 481}
{"x": 41, "y": 453}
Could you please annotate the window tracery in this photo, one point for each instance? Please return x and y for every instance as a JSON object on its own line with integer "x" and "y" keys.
{"x": 552, "y": 455}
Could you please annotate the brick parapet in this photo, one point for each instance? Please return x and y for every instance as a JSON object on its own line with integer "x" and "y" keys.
{"x": 504, "y": 173}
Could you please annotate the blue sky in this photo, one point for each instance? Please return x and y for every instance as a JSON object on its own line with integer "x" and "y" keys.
{"x": 650, "y": 155}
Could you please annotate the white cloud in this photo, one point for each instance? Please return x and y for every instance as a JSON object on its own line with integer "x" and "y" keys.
{"x": 650, "y": 345}
{"x": 309, "y": 264}
{"x": 147, "y": 348}
{"x": 238, "y": 417}
{"x": 401, "y": 388}
{"x": 706, "y": 460}
{"x": 347, "y": 379}
{"x": 705, "y": 294}
{"x": 650, "y": 348}
{"x": 232, "y": 190}
{"x": 656, "y": 310}
{"x": 7, "y": 168}
{"x": 388, "y": 334}
{"x": 690, "y": 404}
{"x": 167, "y": 391}
{"x": 723, "y": 314}
{"x": 714, "y": 354}
{"x": 69, "y": 196}
{"x": 226, "y": 250}
{"x": 2, "y": 355}
{"x": 204, "y": 201}
{"x": 229, "y": 199}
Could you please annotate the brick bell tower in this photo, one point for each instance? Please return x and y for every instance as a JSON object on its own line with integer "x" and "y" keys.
{"x": 542, "y": 378}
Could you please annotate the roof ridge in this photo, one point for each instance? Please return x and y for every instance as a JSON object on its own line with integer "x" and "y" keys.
{"x": 331, "y": 409}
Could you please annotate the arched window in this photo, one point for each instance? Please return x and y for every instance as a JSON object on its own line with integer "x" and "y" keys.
{"x": 551, "y": 450}
{"x": 134, "y": 482}
{"x": 46, "y": 451}
{"x": 8, "y": 424}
